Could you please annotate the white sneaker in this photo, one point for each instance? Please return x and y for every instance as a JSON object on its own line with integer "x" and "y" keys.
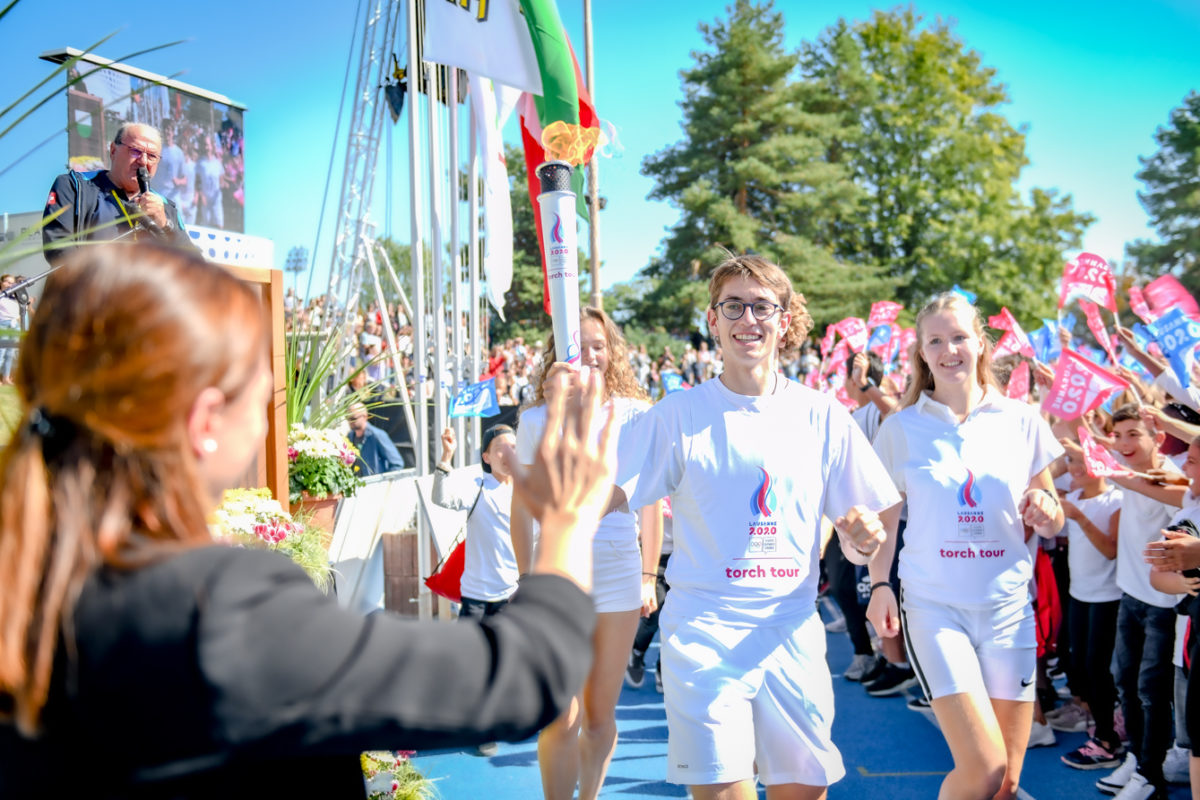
{"x": 1176, "y": 768}
{"x": 859, "y": 666}
{"x": 1115, "y": 781}
{"x": 1136, "y": 789}
{"x": 1040, "y": 735}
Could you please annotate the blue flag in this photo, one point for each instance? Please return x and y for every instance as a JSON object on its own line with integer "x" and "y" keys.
{"x": 1178, "y": 336}
{"x": 1045, "y": 342}
{"x": 672, "y": 382}
{"x": 881, "y": 335}
{"x": 476, "y": 400}
{"x": 1142, "y": 335}
{"x": 970, "y": 296}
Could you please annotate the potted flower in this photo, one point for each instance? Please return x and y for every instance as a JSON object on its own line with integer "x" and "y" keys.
{"x": 253, "y": 518}
{"x": 320, "y": 471}
{"x": 392, "y": 776}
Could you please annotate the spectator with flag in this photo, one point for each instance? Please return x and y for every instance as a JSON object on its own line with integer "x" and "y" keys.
{"x": 974, "y": 467}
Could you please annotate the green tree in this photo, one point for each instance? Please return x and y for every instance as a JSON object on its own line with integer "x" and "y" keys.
{"x": 755, "y": 172}
{"x": 937, "y": 165}
{"x": 1172, "y": 197}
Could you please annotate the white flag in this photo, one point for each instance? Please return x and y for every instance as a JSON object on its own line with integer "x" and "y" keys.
{"x": 496, "y": 46}
{"x": 497, "y": 205}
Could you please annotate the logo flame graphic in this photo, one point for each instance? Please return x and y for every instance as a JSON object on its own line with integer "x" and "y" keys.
{"x": 556, "y": 232}
{"x": 762, "y": 502}
{"x": 968, "y": 493}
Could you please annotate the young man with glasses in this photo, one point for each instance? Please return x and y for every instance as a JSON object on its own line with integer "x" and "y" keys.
{"x": 110, "y": 203}
{"x": 752, "y": 463}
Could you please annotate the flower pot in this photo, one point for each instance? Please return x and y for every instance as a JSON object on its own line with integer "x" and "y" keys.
{"x": 322, "y": 514}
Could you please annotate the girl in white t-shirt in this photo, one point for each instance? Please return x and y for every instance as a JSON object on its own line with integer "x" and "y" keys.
{"x": 973, "y": 465}
{"x": 577, "y": 747}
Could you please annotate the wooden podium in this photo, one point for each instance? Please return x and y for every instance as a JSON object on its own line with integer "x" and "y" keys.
{"x": 271, "y": 468}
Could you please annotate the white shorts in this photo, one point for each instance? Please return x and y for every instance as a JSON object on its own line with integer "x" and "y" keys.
{"x": 987, "y": 651}
{"x": 616, "y": 576}
{"x": 736, "y": 697}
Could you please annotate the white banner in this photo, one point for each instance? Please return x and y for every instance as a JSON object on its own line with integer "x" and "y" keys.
{"x": 487, "y": 37}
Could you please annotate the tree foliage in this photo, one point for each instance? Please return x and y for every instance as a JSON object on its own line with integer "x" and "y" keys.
{"x": 1172, "y": 197}
{"x": 754, "y": 172}
{"x": 937, "y": 164}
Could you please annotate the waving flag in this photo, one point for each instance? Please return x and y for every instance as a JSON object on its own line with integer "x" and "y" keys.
{"x": 1088, "y": 276}
{"x": 1045, "y": 342}
{"x": 1096, "y": 326}
{"x": 1166, "y": 292}
{"x": 476, "y": 400}
{"x": 673, "y": 382}
{"x": 1178, "y": 336}
{"x": 1005, "y": 321}
{"x": 1079, "y": 386}
{"x": 827, "y": 342}
{"x": 1097, "y": 460}
{"x": 883, "y": 312}
{"x": 1137, "y": 302}
{"x": 968, "y": 296}
{"x": 1018, "y": 382}
{"x": 855, "y": 331}
{"x": 908, "y": 336}
{"x": 881, "y": 342}
{"x": 838, "y": 357}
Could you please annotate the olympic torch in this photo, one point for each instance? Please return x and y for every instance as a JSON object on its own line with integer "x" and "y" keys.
{"x": 556, "y": 204}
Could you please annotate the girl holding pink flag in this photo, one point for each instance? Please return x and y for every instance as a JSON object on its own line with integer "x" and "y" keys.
{"x": 974, "y": 467}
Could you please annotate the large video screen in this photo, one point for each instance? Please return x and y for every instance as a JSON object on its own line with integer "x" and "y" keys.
{"x": 202, "y": 168}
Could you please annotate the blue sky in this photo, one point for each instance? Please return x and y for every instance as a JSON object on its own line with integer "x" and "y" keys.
{"x": 1091, "y": 81}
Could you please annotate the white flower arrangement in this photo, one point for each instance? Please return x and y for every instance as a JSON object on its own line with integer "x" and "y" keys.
{"x": 253, "y": 518}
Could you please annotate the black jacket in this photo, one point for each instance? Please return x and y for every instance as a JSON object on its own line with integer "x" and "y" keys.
{"x": 221, "y": 672}
{"x": 93, "y": 208}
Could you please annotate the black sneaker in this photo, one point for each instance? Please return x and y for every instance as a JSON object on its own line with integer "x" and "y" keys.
{"x": 635, "y": 670}
{"x": 919, "y": 703}
{"x": 874, "y": 673}
{"x": 894, "y": 680}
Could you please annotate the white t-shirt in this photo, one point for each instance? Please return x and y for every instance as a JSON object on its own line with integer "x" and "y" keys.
{"x": 1093, "y": 577}
{"x": 490, "y": 570}
{"x": 749, "y": 479}
{"x": 868, "y": 418}
{"x": 1142, "y": 521}
{"x": 965, "y": 542}
{"x": 620, "y": 525}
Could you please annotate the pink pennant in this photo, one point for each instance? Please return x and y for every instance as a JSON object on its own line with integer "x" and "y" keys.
{"x": 1007, "y": 346}
{"x": 1005, "y": 321}
{"x": 1096, "y": 326}
{"x": 907, "y": 337}
{"x": 838, "y": 357}
{"x": 883, "y": 312}
{"x": 1018, "y": 383}
{"x": 827, "y": 342}
{"x": 1079, "y": 386}
{"x": 1166, "y": 292}
{"x": 1137, "y": 302}
{"x": 1088, "y": 275}
{"x": 855, "y": 331}
{"x": 1097, "y": 460}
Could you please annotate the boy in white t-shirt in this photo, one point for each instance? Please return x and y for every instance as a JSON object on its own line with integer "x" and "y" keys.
{"x": 751, "y": 462}
{"x": 1146, "y": 617}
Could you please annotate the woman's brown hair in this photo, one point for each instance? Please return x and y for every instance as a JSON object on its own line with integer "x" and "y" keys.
{"x": 619, "y": 380}
{"x": 760, "y": 270}
{"x": 922, "y": 378}
{"x": 100, "y": 470}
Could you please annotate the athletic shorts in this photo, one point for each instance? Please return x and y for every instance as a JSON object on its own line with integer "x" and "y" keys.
{"x": 616, "y": 576}
{"x": 737, "y": 697}
{"x": 990, "y": 652}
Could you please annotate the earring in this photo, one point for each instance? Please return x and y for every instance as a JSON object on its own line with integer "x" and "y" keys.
{"x": 209, "y": 445}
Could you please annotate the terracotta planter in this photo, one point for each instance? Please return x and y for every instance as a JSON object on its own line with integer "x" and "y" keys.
{"x": 324, "y": 514}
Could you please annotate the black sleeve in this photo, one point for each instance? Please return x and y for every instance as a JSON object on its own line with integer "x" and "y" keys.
{"x": 58, "y": 231}
{"x": 291, "y": 670}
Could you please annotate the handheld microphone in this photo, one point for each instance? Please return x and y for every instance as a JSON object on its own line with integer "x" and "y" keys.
{"x": 143, "y": 179}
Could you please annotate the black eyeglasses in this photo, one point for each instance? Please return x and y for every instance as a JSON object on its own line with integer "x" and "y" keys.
{"x": 734, "y": 309}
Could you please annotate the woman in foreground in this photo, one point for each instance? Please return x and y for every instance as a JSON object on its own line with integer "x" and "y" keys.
{"x": 163, "y": 665}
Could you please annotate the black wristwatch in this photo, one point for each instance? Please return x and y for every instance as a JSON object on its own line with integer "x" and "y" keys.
{"x": 866, "y": 385}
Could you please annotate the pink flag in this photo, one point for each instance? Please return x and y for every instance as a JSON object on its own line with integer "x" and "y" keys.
{"x": 827, "y": 342}
{"x": 1098, "y": 461}
{"x": 1008, "y": 344}
{"x": 855, "y": 331}
{"x": 1096, "y": 326}
{"x": 1138, "y": 303}
{"x": 907, "y": 337}
{"x": 1005, "y": 321}
{"x": 844, "y": 398}
{"x": 811, "y": 379}
{"x": 883, "y": 312}
{"x": 1166, "y": 292}
{"x": 1018, "y": 383}
{"x": 1088, "y": 275}
{"x": 838, "y": 357}
{"x": 1079, "y": 386}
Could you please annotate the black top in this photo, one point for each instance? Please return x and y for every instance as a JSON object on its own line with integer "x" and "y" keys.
{"x": 221, "y": 672}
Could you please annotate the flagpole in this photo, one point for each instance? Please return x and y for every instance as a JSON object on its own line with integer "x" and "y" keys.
{"x": 456, "y": 344}
{"x": 437, "y": 311}
{"x": 474, "y": 334}
{"x": 593, "y": 168}
{"x": 418, "y": 431}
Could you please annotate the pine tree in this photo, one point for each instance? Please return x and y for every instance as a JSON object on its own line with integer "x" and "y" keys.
{"x": 1172, "y": 197}
{"x": 753, "y": 173}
